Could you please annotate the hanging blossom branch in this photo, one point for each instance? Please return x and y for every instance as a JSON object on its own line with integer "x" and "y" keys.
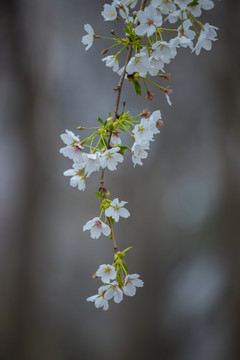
{"x": 147, "y": 54}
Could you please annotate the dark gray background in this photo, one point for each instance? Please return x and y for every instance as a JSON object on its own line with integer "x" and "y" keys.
{"x": 184, "y": 201}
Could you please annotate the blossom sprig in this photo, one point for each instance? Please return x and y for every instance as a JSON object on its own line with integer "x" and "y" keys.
{"x": 144, "y": 32}
{"x": 117, "y": 282}
{"x": 151, "y": 38}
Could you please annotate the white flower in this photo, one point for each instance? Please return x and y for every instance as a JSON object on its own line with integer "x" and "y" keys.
{"x": 77, "y": 179}
{"x": 155, "y": 64}
{"x": 139, "y": 153}
{"x": 206, "y": 4}
{"x": 91, "y": 162}
{"x": 183, "y": 4}
{"x": 115, "y": 139}
{"x": 89, "y": 38}
{"x": 138, "y": 63}
{"x": 112, "y": 61}
{"x": 166, "y": 50}
{"x": 110, "y": 158}
{"x": 96, "y": 227}
{"x": 149, "y": 20}
{"x": 130, "y": 284}
{"x": 174, "y": 16}
{"x": 114, "y": 292}
{"x": 106, "y": 273}
{"x": 168, "y": 99}
{"x": 109, "y": 13}
{"x": 195, "y": 10}
{"x": 117, "y": 209}
{"x": 99, "y": 299}
{"x": 73, "y": 150}
{"x": 143, "y": 132}
{"x": 165, "y": 6}
{"x": 207, "y": 35}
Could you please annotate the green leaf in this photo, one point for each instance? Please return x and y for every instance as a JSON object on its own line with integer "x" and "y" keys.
{"x": 98, "y": 194}
{"x": 137, "y": 86}
{"x": 127, "y": 249}
{"x": 122, "y": 147}
{"x": 100, "y": 120}
{"x": 125, "y": 267}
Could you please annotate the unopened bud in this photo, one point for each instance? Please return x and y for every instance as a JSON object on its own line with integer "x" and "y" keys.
{"x": 165, "y": 76}
{"x": 104, "y": 51}
{"x": 168, "y": 91}
{"x": 159, "y": 123}
{"x": 145, "y": 113}
{"x": 149, "y": 95}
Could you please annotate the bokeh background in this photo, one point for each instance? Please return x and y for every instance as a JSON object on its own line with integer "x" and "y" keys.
{"x": 184, "y": 201}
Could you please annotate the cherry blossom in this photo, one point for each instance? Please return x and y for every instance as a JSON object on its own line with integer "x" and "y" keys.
{"x": 164, "y": 6}
{"x": 73, "y": 150}
{"x": 89, "y": 38}
{"x": 117, "y": 209}
{"x": 110, "y": 158}
{"x": 112, "y": 61}
{"x": 109, "y": 13}
{"x": 106, "y": 273}
{"x": 97, "y": 227}
{"x": 77, "y": 179}
{"x": 149, "y": 20}
{"x": 207, "y": 35}
{"x": 139, "y": 152}
{"x": 99, "y": 300}
{"x": 91, "y": 162}
{"x": 130, "y": 284}
{"x": 115, "y": 292}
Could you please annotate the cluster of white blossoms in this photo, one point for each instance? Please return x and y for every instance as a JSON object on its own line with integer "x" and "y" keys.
{"x": 115, "y": 289}
{"x": 114, "y": 210}
{"x": 153, "y": 52}
{"x": 151, "y": 40}
{"x": 84, "y": 164}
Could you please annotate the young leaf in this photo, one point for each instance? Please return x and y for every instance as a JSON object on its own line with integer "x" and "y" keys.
{"x": 127, "y": 249}
{"x": 98, "y": 194}
{"x": 137, "y": 87}
{"x": 125, "y": 267}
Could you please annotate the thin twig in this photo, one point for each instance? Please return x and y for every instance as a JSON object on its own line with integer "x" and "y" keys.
{"x": 118, "y": 90}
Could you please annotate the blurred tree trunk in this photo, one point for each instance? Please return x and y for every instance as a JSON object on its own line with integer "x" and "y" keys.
{"x": 230, "y": 228}
{"x": 17, "y": 344}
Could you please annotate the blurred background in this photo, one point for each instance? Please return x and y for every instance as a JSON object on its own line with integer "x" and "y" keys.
{"x": 184, "y": 202}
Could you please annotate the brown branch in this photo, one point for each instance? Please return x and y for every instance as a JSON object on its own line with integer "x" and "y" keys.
{"x": 118, "y": 90}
